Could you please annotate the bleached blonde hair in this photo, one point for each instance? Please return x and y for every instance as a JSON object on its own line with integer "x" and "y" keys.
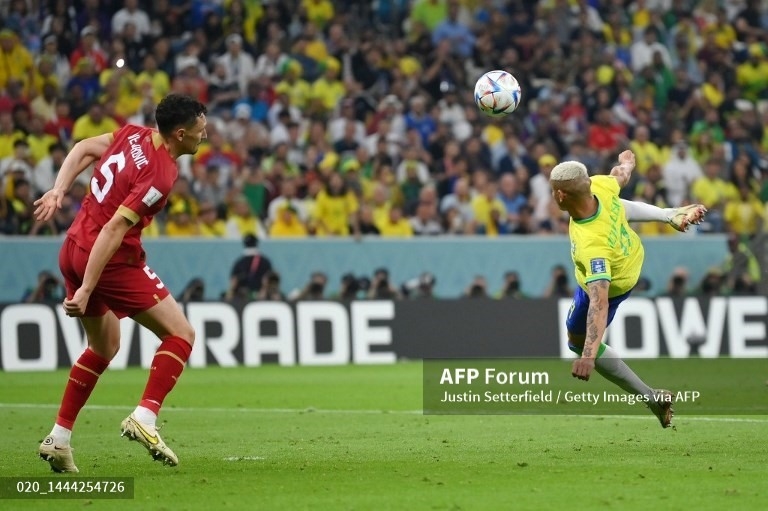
{"x": 568, "y": 171}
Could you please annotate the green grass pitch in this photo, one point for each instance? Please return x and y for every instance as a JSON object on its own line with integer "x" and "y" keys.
{"x": 353, "y": 438}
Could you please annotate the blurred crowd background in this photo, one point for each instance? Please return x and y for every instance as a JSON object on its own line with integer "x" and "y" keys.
{"x": 356, "y": 118}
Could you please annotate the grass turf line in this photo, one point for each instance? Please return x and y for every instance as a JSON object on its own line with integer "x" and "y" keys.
{"x": 304, "y": 460}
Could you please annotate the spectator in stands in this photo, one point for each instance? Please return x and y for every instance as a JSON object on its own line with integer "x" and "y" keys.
{"x": 90, "y": 49}
{"x": 19, "y": 204}
{"x": 189, "y": 80}
{"x": 425, "y": 222}
{"x": 248, "y": 272}
{"x": 368, "y": 225}
{"x": 744, "y": 215}
{"x": 714, "y": 193}
{"x": 361, "y": 72}
{"x": 287, "y": 223}
{"x": 20, "y": 162}
{"x": 180, "y": 222}
{"x": 239, "y": 65}
{"x": 680, "y": 171}
{"x": 152, "y": 79}
{"x": 395, "y": 225}
{"x": 452, "y": 29}
{"x": 541, "y": 194}
{"x": 741, "y": 266}
{"x": 336, "y": 209}
{"x": 242, "y": 221}
{"x": 489, "y": 212}
{"x": 511, "y": 197}
{"x": 94, "y": 123}
{"x": 17, "y": 61}
{"x": 209, "y": 224}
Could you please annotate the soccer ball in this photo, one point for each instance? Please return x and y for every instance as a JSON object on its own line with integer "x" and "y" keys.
{"x": 497, "y": 93}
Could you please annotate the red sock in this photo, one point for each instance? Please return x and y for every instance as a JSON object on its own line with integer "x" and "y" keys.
{"x": 165, "y": 371}
{"x": 82, "y": 379}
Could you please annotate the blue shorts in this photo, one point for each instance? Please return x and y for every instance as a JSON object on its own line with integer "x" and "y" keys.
{"x": 577, "y": 315}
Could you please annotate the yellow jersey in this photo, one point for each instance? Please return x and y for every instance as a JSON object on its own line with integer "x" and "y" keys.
{"x": 603, "y": 246}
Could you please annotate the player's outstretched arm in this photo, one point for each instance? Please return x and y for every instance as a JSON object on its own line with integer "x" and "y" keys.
{"x": 82, "y": 155}
{"x": 107, "y": 243}
{"x": 679, "y": 218}
{"x": 623, "y": 171}
{"x": 597, "y": 321}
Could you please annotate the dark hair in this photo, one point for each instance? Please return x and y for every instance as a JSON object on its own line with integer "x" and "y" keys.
{"x": 250, "y": 241}
{"x": 177, "y": 110}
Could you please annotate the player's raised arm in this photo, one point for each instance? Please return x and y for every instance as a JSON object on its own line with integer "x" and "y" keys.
{"x": 623, "y": 171}
{"x": 82, "y": 155}
{"x": 597, "y": 319}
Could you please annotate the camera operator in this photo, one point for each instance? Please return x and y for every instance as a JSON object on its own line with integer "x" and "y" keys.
{"x": 353, "y": 288}
{"x": 678, "y": 283}
{"x": 558, "y": 287}
{"x": 381, "y": 288}
{"x": 314, "y": 290}
{"x": 49, "y": 289}
{"x": 248, "y": 272}
{"x": 420, "y": 287}
{"x": 511, "y": 287}
{"x": 193, "y": 292}
{"x": 477, "y": 289}
{"x": 270, "y": 288}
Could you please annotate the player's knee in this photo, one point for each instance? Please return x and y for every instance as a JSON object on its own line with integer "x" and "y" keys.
{"x": 106, "y": 350}
{"x": 187, "y": 333}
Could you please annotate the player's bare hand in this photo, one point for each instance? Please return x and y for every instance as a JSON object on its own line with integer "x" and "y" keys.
{"x": 582, "y": 368}
{"x": 47, "y": 205}
{"x": 627, "y": 158}
{"x": 76, "y": 306}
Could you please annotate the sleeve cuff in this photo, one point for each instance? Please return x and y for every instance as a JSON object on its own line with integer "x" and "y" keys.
{"x": 600, "y": 276}
{"x": 129, "y": 214}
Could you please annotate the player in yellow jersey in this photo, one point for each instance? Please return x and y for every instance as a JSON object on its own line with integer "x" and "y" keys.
{"x": 608, "y": 258}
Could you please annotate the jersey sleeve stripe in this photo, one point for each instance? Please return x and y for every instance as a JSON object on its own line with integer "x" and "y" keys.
{"x": 599, "y": 276}
{"x": 129, "y": 214}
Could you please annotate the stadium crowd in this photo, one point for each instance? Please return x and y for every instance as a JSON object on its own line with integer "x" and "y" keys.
{"x": 344, "y": 118}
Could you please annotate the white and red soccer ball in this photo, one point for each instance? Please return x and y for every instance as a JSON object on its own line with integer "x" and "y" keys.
{"x": 497, "y": 93}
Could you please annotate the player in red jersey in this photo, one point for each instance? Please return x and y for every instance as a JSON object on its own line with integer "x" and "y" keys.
{"x": 104, "y": 266}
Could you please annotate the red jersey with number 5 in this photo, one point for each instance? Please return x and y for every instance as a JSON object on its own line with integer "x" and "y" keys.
{"x": 133, "y": 177}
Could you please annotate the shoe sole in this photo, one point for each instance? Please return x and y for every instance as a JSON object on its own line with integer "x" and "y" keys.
{"x": 667, "y": 412}
{"x": 50, "y": 458}
{"x": 689, "y": 219}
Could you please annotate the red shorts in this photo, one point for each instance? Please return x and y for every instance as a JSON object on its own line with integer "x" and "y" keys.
{"x": 125, "y": 289}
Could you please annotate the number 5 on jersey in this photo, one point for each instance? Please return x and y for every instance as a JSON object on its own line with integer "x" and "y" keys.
{"x": 153, "y": 276}
{"x": 99, "y": 192}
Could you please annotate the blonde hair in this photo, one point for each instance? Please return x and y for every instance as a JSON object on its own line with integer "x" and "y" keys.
{"x": 568, "y": 171}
